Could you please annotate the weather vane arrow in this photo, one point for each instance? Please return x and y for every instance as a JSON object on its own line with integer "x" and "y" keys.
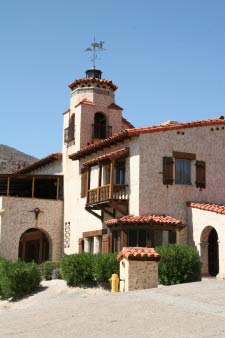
{"x": 95, "y": 48}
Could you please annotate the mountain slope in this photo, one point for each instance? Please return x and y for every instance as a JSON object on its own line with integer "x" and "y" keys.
{"x": 12, "y": 159}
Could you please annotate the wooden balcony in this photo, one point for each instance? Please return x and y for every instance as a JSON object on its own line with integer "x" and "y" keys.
{"x": 105, "y": 193}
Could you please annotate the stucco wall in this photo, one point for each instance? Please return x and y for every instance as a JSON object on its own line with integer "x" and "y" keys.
{"x": 157, "y": 198}
{"x": 198, "y": 220}
{"x": 53, "y": 168}
{"x": 18, "y": 216}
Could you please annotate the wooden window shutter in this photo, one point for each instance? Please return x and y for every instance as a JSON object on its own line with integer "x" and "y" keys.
{"x": 200, "y": 174}
{"x": 84, "y": 177}
{"x": 167, "y": 170}
{"x": 106, "y": 243}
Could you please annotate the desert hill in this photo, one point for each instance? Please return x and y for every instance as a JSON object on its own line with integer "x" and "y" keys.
{"x": 12, "y": 159}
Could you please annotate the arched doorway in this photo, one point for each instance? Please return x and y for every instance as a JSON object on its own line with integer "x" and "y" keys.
{"x": 213, "y": 257}
{"x": 209, "y": 251}
{"x": 34, "y": 246}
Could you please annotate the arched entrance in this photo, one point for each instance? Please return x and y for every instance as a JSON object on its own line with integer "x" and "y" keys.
{"x": 209, "y": 251}
{"x": 34, "y": 246}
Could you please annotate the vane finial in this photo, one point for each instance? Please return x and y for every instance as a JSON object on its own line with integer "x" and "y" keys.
{"x": 95, "y": 48}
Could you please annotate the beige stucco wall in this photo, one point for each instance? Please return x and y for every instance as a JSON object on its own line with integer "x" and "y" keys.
{"x": 53, "y": 168}
{"x": 157, "y": 198}
{"x": 138, "y": 275}
{"x": 17, "y": 216}
{"x": 198, "y": 220}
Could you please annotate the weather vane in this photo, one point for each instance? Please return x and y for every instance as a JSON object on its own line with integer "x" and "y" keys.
{"x": 95, "y": 48}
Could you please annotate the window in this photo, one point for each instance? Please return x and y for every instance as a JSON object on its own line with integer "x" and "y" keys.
{"x": 182, "y": 171}
{"x": 119, "y": 172}
{"x": 99, "y": 129}
{"x": 70, "y": 131}
{"x": 137, "y": 238}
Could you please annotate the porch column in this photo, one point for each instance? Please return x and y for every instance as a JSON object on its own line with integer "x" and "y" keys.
{"x": 86, "y": 245}
{"x": 97, "y": 244}
{"x": 204, "y": 257}
{"x": 221, "y": 256}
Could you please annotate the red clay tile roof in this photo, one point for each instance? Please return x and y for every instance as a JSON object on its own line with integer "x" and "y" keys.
{"x": 127, "y": 133}
{"x": 146, "y": 219}
{"x": 218, "y": 208}
{"x": 138, "y": 253}
{"x": 115, "y": 154}
{"x": 37, "y": 164}
{"x": 114, "y": 106}
{"x": 87, "y": 81}
{"x": 127, "y": 123}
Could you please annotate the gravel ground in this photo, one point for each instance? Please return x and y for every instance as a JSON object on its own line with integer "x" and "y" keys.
{"x": 194, "y": 310}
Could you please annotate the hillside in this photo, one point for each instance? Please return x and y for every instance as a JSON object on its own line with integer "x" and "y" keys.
{"x": 12, "y": 159}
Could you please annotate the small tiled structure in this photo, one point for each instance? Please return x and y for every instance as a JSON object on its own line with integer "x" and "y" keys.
{"x": 138, "y": 268}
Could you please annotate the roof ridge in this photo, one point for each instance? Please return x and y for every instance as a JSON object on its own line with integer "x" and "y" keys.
{"x": 130, "y": 132}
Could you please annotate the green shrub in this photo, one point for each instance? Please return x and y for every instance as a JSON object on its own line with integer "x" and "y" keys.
{"x": 47, "y": 268}
{"x": 104, "y": 265}
{"x": 178, "y": 264}
{"x": 77, "y": 269}
{"x": 18, "y": 279}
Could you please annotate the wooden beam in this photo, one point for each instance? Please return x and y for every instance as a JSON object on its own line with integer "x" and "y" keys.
{"x": 99, "y": 181}
{"x": 33, "y": 181}
{"x": 118, "y": 208}
{"x": 108, "y": 212}
{"x": 112, "y": 164}
{"x": 57, "y": 189}
{"x": 94, "y": 213}
{"x": 8, "y": 185}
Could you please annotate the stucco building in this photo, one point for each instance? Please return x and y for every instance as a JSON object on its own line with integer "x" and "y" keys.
{"x": 122, "y": 186}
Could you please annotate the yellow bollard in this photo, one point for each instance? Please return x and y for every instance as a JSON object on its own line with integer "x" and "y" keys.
{"x": 114, "y": 280}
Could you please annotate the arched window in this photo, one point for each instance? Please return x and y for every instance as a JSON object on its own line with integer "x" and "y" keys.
{"x": 99, "y": 130}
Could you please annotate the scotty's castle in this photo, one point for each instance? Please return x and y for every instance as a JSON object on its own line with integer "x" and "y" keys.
{"x": 115, "y": 185}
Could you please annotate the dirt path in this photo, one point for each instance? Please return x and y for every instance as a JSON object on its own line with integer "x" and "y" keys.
{"x": 193, "y": 310}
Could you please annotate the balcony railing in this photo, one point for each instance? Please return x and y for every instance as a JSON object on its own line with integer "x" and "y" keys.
{"x": 101, "y": 131}
{"x": 104, "y": 193}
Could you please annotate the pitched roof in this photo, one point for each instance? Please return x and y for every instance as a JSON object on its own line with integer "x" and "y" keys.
{"x": 127, "y": 133}
{"x": 114, "y": 106}
{"x": 113, "y": 155}
{"x": 87, "y": 81}
{"x": 85, "y": 101}
{"x": 218, "y": 208}
{"x": 146, "y": 219}
{"x": 37, "y": 164}
{"x": 138, "y": 253}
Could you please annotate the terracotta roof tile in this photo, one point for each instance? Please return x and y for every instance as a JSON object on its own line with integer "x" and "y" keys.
{"x": 127, "y": 133}
{"x": 218, "y": 208}
{"x": 138, "y": 253}
{"x": 115, "y": 154}
{"x": 92, "y": 80}
{"x": 37, "y": 164}
{"x": 146, "y": 219}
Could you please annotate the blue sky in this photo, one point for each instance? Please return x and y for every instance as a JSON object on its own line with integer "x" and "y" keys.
{"x": 167, "y": 58}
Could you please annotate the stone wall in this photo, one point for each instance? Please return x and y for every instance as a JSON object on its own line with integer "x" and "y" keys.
{"x": 138, "y": 275}
{"x": 17, "y": 215}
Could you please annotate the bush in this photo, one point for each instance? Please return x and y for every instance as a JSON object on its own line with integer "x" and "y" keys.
{"x": 104, "y": 265}
{"x": 47, "y": 268}
{"x": 178, "y": 264}
{"x": 77, "y": 269}
{"x": 18, "y": 279}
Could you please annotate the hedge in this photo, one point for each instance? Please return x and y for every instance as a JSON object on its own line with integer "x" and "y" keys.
{"x": 83, "y": 268}
{"x": 18, "y": 279}
{"x": 77, "y": 269}
{"x": 49, "y": 270}
{"x": 178, "y": 264}
{"x": 104, "y": 265}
